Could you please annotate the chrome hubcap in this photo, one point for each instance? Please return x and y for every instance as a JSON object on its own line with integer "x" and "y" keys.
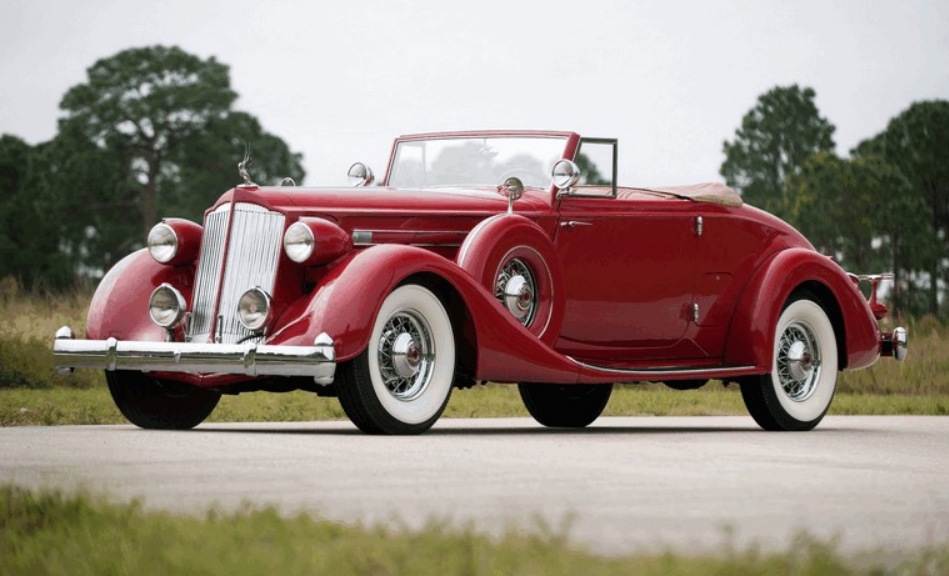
{"x": 406, "y": 355}
{"x": 798, "y": 361}
{"x": 516, "y": 289}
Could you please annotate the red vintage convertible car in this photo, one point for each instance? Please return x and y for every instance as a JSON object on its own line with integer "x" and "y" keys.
{"x": 481, "y": 256}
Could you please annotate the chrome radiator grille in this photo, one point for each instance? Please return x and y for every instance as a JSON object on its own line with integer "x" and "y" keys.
{"x": 252, "y": 258}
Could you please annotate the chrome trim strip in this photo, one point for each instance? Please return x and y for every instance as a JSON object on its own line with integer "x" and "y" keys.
{"x": 380, "y": 231}
{"x": 443, "y": 245}
{"x": 251, "y": 359}
{"x": 364, "y": 237}
{"x": 652, "y": 372}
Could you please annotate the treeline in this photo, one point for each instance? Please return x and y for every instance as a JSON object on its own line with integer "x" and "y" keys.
{"x": 152, "y": 132}
{"x": 883, "y": 208}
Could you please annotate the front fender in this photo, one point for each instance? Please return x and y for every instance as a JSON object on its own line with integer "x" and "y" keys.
{"x": 119, "y": 307}
{"x": 751, "y": 335}
{"x": 350, "y": 296}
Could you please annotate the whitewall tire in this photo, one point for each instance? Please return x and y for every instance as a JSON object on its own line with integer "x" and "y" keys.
{"x": 401, "y": 383}
{"x": 797, "y": 393}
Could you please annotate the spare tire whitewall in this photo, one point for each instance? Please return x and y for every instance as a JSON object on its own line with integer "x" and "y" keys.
{"x": 401, "y": 383}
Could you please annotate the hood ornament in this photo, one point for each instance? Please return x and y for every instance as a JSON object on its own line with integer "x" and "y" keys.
{"x": 242, "y": 167}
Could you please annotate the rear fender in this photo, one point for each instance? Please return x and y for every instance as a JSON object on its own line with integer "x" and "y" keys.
{"x": 751, "y": 336}
{"x": 350, "y": 296}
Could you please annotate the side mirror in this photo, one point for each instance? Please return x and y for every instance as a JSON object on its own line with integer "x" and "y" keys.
{"x": 360, "y": 175}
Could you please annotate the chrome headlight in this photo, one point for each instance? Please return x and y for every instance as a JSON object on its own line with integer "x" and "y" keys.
{"x": 162, "y": 243}
{"x": 298, "y": 242}
{"x": 314, "y": 241}
{"x": 253, "y": 309}
{"x": 174, "y": 241}
{"x": 166, "y": 306}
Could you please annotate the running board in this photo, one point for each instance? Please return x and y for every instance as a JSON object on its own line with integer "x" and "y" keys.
{"x": 594, "y": 372}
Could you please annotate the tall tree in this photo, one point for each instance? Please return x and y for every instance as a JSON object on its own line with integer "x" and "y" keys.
{"x": 863, "y": 212}
{"x": 152, "y": 130}
{"x": 775, "y": 138}
{"x": 15, "y": 212}
{"x": 30, "y": 240}
{"x": 147, "y": 101}
{"x": 917, "y": 142}
{"x": 206, "y": 165}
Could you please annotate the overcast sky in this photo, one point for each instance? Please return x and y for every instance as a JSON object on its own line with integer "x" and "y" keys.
{"x": 338, "y": 80}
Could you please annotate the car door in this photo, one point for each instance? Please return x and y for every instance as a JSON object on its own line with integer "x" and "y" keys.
{"x": 629, "y": 270}
{"x": 628, "y": 277}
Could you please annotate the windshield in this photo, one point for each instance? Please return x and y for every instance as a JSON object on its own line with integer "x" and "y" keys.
{"x": 482, "y": 161}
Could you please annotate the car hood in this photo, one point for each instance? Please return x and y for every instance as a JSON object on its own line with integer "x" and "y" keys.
{"x": 384, "y": 200}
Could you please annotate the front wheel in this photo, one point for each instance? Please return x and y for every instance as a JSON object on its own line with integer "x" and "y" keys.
{"x": 160, "y": 404}
{"x": 401, "y": 382}
{"x": 567, "y": 406}
{"x": 797, "y": 393}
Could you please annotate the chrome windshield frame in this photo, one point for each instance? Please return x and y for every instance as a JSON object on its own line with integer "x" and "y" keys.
{"x": 430, "y": 179}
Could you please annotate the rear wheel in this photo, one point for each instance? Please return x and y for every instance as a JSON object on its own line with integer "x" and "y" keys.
{"x": 567, "y": 406}
{"x": 160, "y": 404}
{"x": 401, "y": 382}
{"x": 797, "y": 393}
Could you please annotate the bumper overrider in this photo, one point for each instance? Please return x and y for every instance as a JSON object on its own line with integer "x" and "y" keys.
{"x": 250, "y": 359}
{"x": 895, "y": 344}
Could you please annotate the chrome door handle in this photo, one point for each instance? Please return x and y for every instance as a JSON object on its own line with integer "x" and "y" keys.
{"x": 573, "y": 223}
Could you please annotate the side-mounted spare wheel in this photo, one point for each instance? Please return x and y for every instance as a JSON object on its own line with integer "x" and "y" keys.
{"x": 401, "y": 382}
{"x": 797, "y": 393}
{"x": 565, "y": 406}
{"x": 516, "y": 262}
{"x": 160, "y": 404}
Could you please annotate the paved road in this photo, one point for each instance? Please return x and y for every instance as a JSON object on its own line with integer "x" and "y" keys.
{"x": 624, "y": 484}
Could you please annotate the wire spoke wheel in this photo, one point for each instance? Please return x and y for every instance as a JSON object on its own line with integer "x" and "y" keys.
{"x": 798, "y": 361}
{"x": 401, "y": 382}
{"x": 406, "y": 355}
{"x": 797, "y": 393}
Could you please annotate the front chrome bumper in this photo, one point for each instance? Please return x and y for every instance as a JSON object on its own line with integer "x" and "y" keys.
{"x": 251, "y": 359}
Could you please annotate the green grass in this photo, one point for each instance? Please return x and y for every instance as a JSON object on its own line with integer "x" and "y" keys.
{"x": 52, "y": 533}
{"x": 31, "y": 393}
{"x": 62, "y": 406}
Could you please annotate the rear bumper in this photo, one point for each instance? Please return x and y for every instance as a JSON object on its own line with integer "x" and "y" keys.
{"x": 895, "y": 344}
{"x": 251, "y": 359}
